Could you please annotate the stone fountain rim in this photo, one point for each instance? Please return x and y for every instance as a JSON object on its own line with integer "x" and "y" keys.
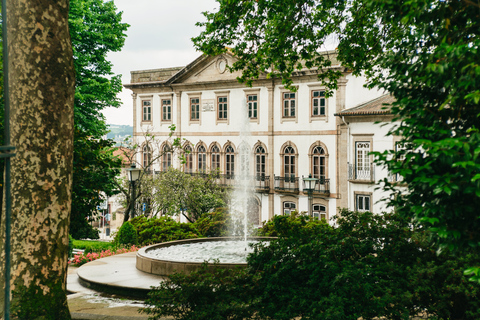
{"x": 166, "y": 267}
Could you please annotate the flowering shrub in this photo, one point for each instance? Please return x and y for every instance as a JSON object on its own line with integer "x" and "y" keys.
{"x": 82, "y": 258}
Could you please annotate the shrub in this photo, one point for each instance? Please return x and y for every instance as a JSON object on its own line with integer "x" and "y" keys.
{"x": 368, "y": 266}
{"x": 127, "y": 234}
{"x": 163, "y": 229}
{"x": 92, "y": 245}
{"x": 210, "y": 295}
{"x": 214, "y": 224}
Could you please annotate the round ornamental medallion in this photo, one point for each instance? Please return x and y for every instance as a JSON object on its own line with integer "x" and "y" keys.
{"x": 221, "y": 65}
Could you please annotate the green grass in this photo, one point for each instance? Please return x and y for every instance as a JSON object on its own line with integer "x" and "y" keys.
{"x": 92, "y": 245}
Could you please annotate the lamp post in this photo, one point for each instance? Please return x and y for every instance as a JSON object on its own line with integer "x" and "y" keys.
{"x": 133, "y": 175}
{"x": 309, "y": 185}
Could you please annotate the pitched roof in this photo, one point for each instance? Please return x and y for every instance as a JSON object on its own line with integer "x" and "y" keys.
{"x": 377, "y": 106}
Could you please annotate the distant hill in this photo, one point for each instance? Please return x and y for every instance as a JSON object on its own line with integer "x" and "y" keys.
{"x": 119, "y": 132}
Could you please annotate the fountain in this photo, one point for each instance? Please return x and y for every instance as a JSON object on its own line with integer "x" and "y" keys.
{"x": 229, "y": 252}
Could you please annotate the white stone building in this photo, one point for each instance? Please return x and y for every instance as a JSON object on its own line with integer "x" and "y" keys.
{"x": 292, "y": 134}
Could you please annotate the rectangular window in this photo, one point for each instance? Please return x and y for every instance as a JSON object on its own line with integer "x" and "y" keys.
{"x": 289, "y": 104}
{"x": 195, "y": 108}
{"x": 147, "y": 110}
{"x": 363, "y": 202}
{"x": 362, "y": 161}
{"x": 252, "y": 101}
{"x": 166, "y": 109}
{"x": 318, "y": 103}
{"x": 222, "y": 108}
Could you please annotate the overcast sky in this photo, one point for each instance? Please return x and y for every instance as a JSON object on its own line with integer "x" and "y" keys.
{"x": 158, "y": 37}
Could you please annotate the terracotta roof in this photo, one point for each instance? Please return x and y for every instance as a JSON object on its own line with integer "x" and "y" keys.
{"x": 122, "y": 153}
{"x": 377, "y": 106}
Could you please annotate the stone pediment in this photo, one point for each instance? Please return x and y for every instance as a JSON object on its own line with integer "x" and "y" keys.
{"x": 207, "y": 69}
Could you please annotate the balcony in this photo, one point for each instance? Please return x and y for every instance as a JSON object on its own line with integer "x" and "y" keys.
{"x": 286, "y": 184}
{"x": 364, "y": 174}
{"x": 322, "y": 187}
{"x": 261, "y": 183}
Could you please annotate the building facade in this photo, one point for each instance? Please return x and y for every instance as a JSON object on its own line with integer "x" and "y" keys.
{"x": 288, "y": 135}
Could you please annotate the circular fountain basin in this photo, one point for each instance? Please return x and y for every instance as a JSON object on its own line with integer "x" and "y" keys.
{"x": 170, "y": 257}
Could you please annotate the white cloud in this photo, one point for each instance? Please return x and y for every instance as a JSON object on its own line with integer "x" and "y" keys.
{"x": 158, "y": 37}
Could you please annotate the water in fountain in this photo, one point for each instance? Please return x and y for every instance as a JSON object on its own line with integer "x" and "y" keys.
{"x": 244, "y": 184}
{"x": 223, "y": 251}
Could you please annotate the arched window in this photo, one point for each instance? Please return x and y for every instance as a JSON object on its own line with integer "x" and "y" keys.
{"x": 202, "y": 159}
{"x": 188, "y": 167}
{"x": 318, "y": 163}
{"x": 229, "y": 162}
{"x": 166, "y": 157}
{"x": 289, "y": 162}
{"x": 319, "y": 211}
{"x": 215, "y": 165}
{"x": 146, "y": 156}
{"x": 260, "y": 162}
{"x": 288, "y": 207}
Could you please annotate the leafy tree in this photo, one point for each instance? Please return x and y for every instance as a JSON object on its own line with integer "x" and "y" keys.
{"x": 193, "y": 196}
{"x": 424, "y": 52}
{"x": 145, "y": 184}
{"x": 42, "y": 79}
{"x": 96, "y": 29}
{"x": 95, "y": 170}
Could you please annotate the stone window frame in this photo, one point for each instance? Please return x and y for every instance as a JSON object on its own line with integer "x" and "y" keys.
{"x": 142, "y": 100}
{"x": 167, "y": 156}
{"x": 147, "y": 155}
{"x": 194, "y": 95}
{"x": 262, "y": 145}
{"x": 164, "y": 97}
{"x": 218, "y": 96}
{"x": 284, "y": 118}
{"x": 282, "y": 157}
{"x": 313, "y": 88}
{"x": 311, "y": 155}
{"x": 288, "y": 199}
{"x": 228, "y": 162}
{"x": 357, "y": 138}
{"x": 252, "y": 92}
{"x": 356, "y": 194}
{"x": 321, "y": 202}
{"x": 189, "y": 158}
{"x": 211, "y": 157}
{"x": 197, "y": 157}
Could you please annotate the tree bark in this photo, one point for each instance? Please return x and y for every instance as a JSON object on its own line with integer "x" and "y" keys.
{"x": 41, "y": 94}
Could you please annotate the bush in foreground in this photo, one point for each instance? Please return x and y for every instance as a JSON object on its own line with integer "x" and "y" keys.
{"x": 369, "y": 266}
{"x": 163, "y": 229}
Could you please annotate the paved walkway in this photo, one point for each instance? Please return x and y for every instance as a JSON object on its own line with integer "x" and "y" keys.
{"x": 115, "y": 275}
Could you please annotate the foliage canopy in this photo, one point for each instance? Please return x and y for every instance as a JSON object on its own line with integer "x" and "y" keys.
{"x": 424, "y": 52}
{"x": 95, "y": 29}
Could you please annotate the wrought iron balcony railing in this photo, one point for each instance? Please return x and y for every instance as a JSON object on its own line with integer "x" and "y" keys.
{"x": 362, "y": 173}
{"x": 286, "y": 183}
{"x": 322, "y": 186}
{"x": 261, "y": 183}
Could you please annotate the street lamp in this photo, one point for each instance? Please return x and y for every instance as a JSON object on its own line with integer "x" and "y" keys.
{"x": 133, "y": 175}
{"x": 309, "y": 185}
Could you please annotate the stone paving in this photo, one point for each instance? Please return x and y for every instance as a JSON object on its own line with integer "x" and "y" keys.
{"x": 115, "y": 274}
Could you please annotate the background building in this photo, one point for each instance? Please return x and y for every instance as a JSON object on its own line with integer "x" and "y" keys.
{"x": 289, "y": 135}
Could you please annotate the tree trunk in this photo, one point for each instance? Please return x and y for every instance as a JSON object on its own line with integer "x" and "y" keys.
{"x": 41, "y": 95}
